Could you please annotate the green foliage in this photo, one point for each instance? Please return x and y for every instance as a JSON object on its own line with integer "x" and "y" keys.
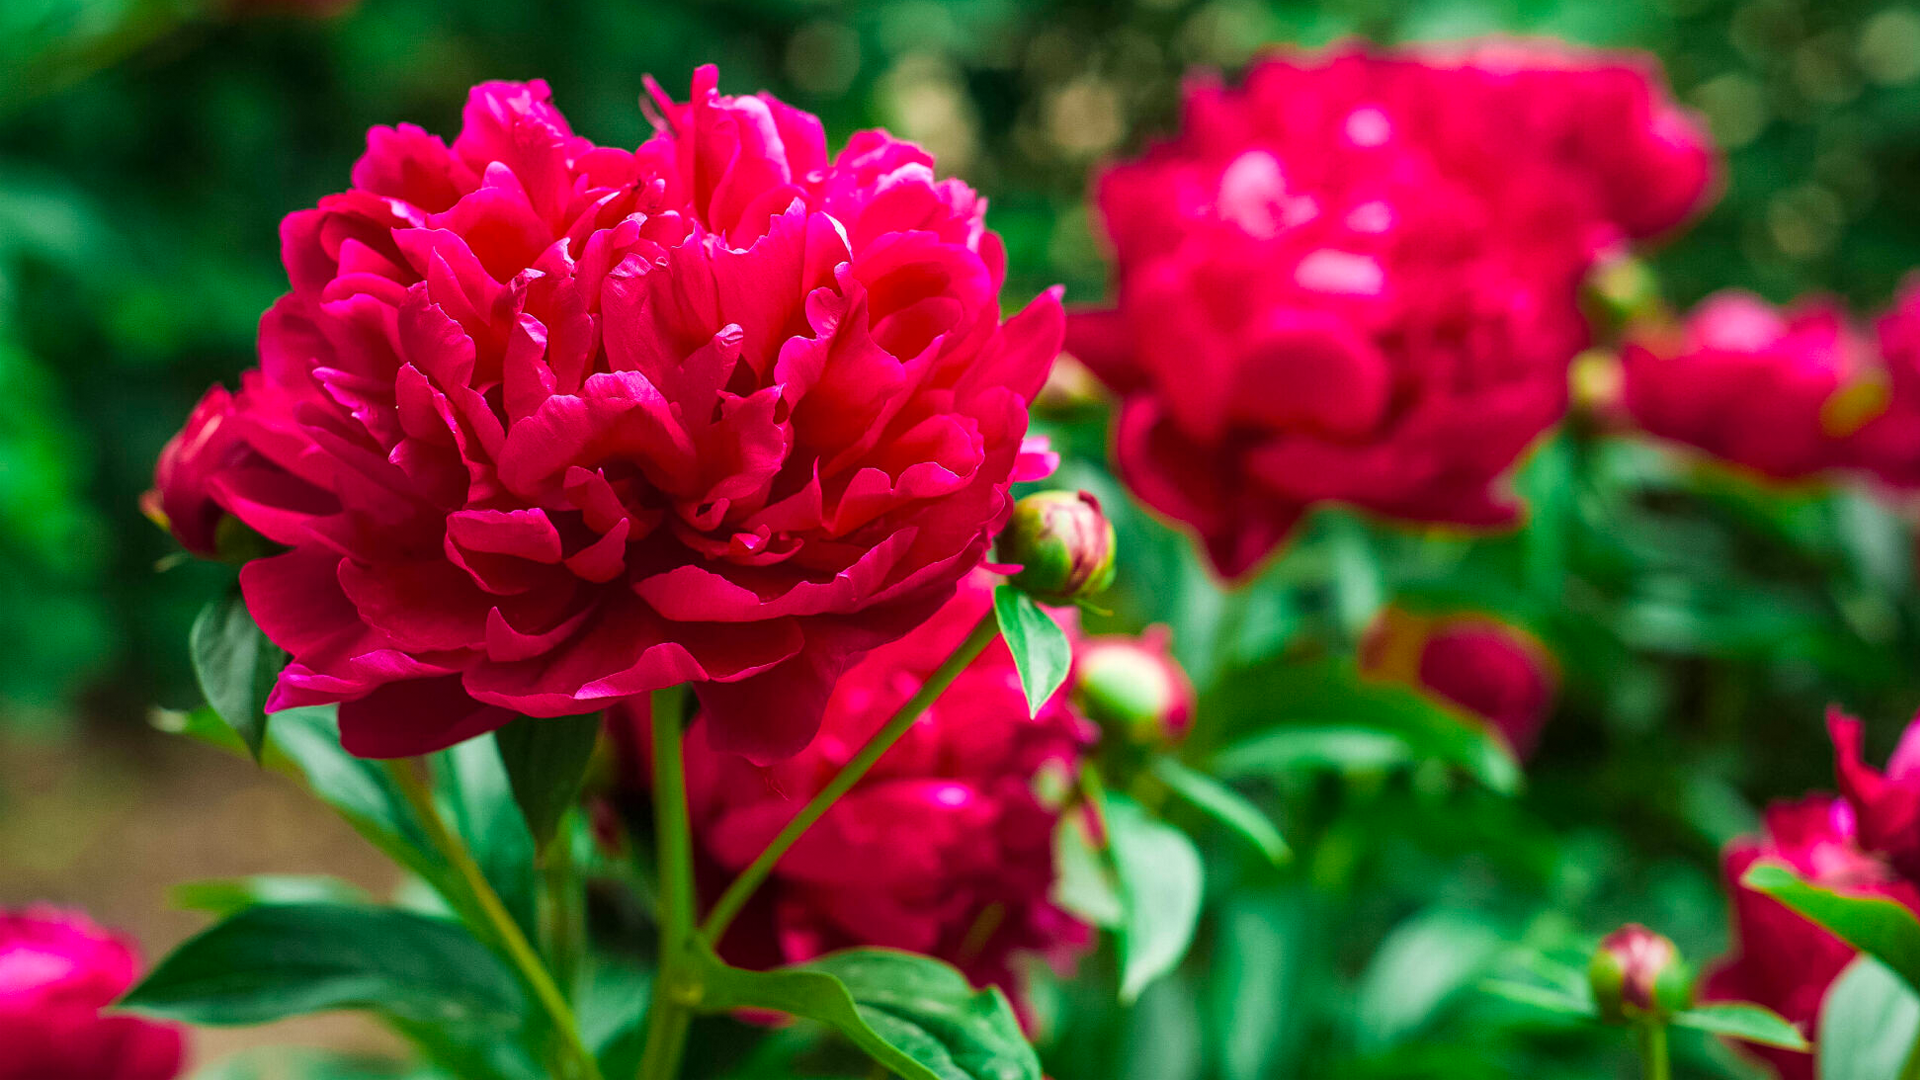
{"x": 1040, "y": 648}
{"x": 1869, "y": 1022}
{"x": 546, "y": 761}
{"x": 1881, "y": 928}
{"x": 1160, "y": 880}
{"x": 236, "y": 666}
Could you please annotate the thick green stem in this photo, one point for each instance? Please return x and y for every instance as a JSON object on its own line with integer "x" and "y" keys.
{"x": 671, "y": 1011}
{"x": 579, "y": 1061}
{"x": 741, "y": 890}
{"x": 1653, "y": 1051}
{"x": 562, "y": 914}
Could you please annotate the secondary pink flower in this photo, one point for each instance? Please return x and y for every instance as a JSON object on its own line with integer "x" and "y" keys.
{"x": 944, "y": 848}
{"x": 57, "y": 971}
{"x": 547, "y": 425}
{"x": 1489, "y": 668}
{"x": 1749, "y": 384}
{"x": 1889, "y": 443}
{"x": 1779, "y": 959}
{"x": 1886, "y": 805}
{"x": 1356, "y": 278}
{"x": 180, "y": 500}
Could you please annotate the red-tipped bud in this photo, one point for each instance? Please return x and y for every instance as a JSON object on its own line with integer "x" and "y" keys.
{"x": 1063, "y": 544}
{"x": 1133, "y": 687}
{"x": 1637, "y": 974}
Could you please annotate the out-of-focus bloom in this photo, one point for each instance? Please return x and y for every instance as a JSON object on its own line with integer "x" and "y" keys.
{"x": 547, "y": 425}
{"x": 1063, "y": 544}
{"x": 1490, "y": 668}
{"x": 57, "y": 971}
{"x": 1761, "y": 388}
{"x": 944, "y": 848}
{"x": 1134, "y": 685}
{"x": 1636, "y": 973}
{"x": 1888, "y": 444}
{"x": 1885, "y": 805}
{"x": 1356, "y": 278}
{"x": 1779, "y": 959}
{"x": 180, "y": 500}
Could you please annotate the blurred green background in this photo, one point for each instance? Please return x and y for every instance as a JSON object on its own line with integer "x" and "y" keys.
{"x": 149, "y": 149}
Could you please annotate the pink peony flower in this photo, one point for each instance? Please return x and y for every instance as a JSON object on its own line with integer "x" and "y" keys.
{"x": 58, "y": 970}
{"x": 1888, "y": 444}
{"x": 181, "y": 500}
{"x": 1779, "y": 959}
{"x": 1356, "y": 278}
{"x": 1886, "y": 805}
{"x": 547, "y": 425}
{"x": 1492, "y": 669}
{"x": 1750, "y": 385}
{"x": 944, "y": 848}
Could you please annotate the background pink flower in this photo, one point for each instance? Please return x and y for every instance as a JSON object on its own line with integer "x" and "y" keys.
{"x": 58, "y": 970}
{"x": 1355, "y": 278}
{"x": 546, "y": 424}
{"x": 1492, "y": 669}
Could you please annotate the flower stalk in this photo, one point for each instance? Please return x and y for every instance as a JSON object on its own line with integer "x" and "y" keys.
{"x": 670, "y": 1013}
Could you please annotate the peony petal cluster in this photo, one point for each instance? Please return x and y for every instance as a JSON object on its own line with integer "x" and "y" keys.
{"x": 1356, "y": 277}
{"x": 58, "y": 970}
{"x": 945, "y": 848}
{"x": 1888, "y": 444}
{"x": 1765, "y": 389}
{"x": 1859, "y": 843}
{"x": 1492, "y": 669}
{"x": 543, "y": 425}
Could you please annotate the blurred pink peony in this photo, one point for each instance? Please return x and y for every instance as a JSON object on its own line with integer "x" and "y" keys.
{"x": 181, "y": 500}
{"x": 1749, "y": 384}
{"x": 1493, "y": 669}
{"x": 945, "y": 848}
{"x": 1356, "y": 277}
{"x": 1779, "y": 959}
{"x": 58, "y": 970}
{"x": 547, "y": 425}
{"x": 1889, "y": 444}
{"x": 1885, "y": 805}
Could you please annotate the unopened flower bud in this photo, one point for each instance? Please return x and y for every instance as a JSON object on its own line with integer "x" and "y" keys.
{"x": 1637, "y": 974}
{"x": 1062, "y": 543}
{"x": 1134, "y": 687}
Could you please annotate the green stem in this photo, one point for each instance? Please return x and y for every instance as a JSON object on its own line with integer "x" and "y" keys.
{"x": 741, "y": 890}
{"x": 671, "y": 1012}
{"x": 561, "y": 906}
{"x": 499, "y": 919}
{"x": 1653, "y": 1051}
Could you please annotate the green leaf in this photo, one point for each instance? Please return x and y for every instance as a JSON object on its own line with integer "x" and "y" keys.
{"x": 1040, "y": 648}
{"x": 273, "y": 961}
{"x": 1881, "y": 928}
{"x": 1083, "y": 881}
{"x": 1550, "y": 998}
{"x": 912, "y": 1014}
{"x": 1260, "y": 960}
{"x": 471, "y": 785}
{"x": 1745, "y": 1021}
{"x": 1295, "y": 749}
{"x": 1160, "y": 887}
{"x": 546, "y": 762}
{"x": 225, "y": 896}
{"x": 1417, "y": 970}
{"x": 236, "y": 666}
{"x": 1226, "y": 806}
{"x": 1869, "y": 1021}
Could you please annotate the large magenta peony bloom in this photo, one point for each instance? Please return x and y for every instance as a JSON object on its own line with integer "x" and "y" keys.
{"x": 1751, "y": 385}
{"x": 1779, "y": 959}
{"x": 944, "y": 848}
{"x": 1356, "y": 278}
{"x": 57, "y": 971}
{"x": 546, "y": 425}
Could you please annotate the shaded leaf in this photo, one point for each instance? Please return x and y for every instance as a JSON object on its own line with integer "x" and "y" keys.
{"x": 1226, "y": 806}
{"x": 546, "y": 761}
{"x": 236, "y": 666}
{"x": 1743, "y": 1020}
{"x": 1160, "y": 888}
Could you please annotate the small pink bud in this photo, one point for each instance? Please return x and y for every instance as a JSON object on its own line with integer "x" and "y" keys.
{"x": 1637, "y": 974}
{"x": 1134, "y": 687}
{"x": 1063, "y": 544}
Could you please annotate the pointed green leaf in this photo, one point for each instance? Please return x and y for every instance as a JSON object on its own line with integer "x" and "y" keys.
{"x": 236, "y": 666}
{"x": 1293, "y": 749}
{"x": 1869, "y": 1022}
{"x": 1745, "y": 1021}
{"x": 273, "y": 961}
{"x": 912, "y": 1014}
{"x": 1550, "y": 998}
{"x": 1041, "y": 652}
{"x": 1083, "y": 879}
{"x": 546, "y": 760}
{"x": 1226, "y": 806}
{"x": 225, "y": 896}
{"x": 1160, "y": 887}
{"x": 1883, "y": 929}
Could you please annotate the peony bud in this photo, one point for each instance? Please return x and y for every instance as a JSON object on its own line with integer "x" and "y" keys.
{"x": 1637, "y": 974}
{"x": 1062, "y": 543}
{"x": 1134, "y": 687}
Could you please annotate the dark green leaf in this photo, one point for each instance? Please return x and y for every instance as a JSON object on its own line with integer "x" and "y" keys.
{"x": 1040, "y": 648}
{"x": 546, "y": 761}
{"x": 1746, "y": 1021}
{"x": 1160, "y": 889}
{"x": 1226, "y": 806}
{"x": 912, "y": 1014}
{"x": 274, "y": 961}
{"x": 236, "y": 666}
{"x": 1869, "y": 1022}
{"x": 471, "y": 785}
{"x": 224, "y": 896}
{"x": 1881, "y": 928}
